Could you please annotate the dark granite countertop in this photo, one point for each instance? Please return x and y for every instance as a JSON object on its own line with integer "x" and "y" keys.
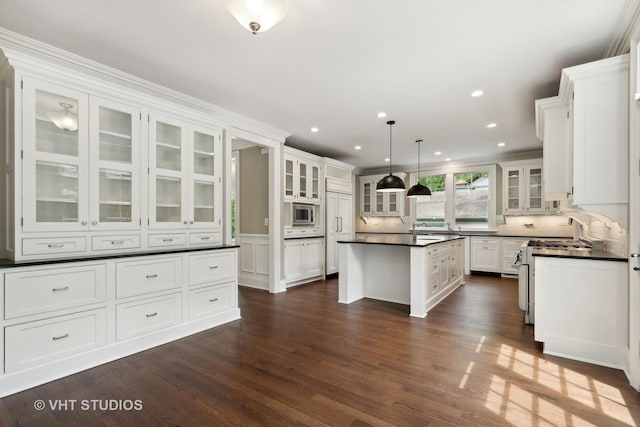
{"x": 7, "y": 263}
{"x": 471, "y": 233}
{"x": 303, "y": 237}
{"x": 578, "y": 254}
{"x": 404, "y": 240}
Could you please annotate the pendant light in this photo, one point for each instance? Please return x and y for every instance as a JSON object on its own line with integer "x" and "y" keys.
{"x": 64, "y": 119}
{"x": 258, "y": 16}
{"x": 419, "y": 190}
{"x": 390, "y": 183}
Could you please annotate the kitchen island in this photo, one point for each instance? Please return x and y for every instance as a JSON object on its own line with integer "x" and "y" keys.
{"x": 419, "y": 272}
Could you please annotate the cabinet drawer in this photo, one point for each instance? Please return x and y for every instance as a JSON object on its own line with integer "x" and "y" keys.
{"x": 203, "y": 238}
{"x": 485, "y": 241}
{"x": 53, "y": 245}
{"x": 41, "y": 291}
{"x": 216, "y": 267}
{"x": 34, "y": 343}
{"x": 104, "y": 243}
{"x": 140, "y": 317}
{"x": 339, "y": 186}
{"x": 141, "y": 277}
{"x": 211, "y": 300}
{"x": 156, "y": 240}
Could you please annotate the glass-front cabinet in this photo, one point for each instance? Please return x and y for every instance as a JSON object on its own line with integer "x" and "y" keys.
{"x": 513, "y": 185}
{"x": 523, "y": 189}
{"x": 184, "y": 172}
{"x": 376, "y": 203}
{"x": 55, "y": 158}
{"x": 301, "y": 179}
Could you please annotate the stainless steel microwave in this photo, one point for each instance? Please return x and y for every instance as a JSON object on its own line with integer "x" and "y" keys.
{"x": 304, "y": 214}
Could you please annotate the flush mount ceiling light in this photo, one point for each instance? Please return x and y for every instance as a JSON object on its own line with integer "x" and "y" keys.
{"x": 257, "y": 16}
{"x": 501, "y": 144}
{"x": 64, "y": 119}
{"x": 477, "y": 93}
{"x": 491, "y": 125}
{"x": 315, "y": 129}
{"x": 390, "y": 183}
{"x": 382, "y": 114}
{"x": 419, "y": 190}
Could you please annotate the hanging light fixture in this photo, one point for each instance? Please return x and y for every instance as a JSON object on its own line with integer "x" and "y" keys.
{"x": 258, "y": 16}
{"x": 390, "y": 182}
{"x": 419, "y": 190}
{"x": 64, "y": 119}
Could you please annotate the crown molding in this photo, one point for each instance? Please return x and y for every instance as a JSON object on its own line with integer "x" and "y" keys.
{"x": 628, "y": 20}
{"x": 32, "y": 55}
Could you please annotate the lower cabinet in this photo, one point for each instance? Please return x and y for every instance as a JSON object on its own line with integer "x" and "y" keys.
{"x": 65, "y": 317}
{"x": 304, "y": 260}
{"x": 510, "y": 249}
{"x": 445, "y": 269}
{"x": 486, "y": 254}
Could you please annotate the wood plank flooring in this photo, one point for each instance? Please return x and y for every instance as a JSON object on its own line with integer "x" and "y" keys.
{"x": 300, "y": 358}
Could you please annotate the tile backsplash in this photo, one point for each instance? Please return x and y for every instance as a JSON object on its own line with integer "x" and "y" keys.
{"x": 536, "y": 226}
{"x": 614, "y": 236}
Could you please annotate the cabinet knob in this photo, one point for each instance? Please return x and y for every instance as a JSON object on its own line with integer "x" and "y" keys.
{"x": 190, "y": 222}
{"x": 84, "y": 223}
{"x": 94, "y": 222}
{"x": 185, "y": 222}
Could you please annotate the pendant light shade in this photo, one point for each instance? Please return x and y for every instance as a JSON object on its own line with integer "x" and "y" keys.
{"x": 390, "y": 183}
{"x": 257, "y": 16}
{"x": 419, "y": 190}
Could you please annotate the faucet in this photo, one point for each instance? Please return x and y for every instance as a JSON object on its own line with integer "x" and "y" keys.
{"x": 449, "y": 229}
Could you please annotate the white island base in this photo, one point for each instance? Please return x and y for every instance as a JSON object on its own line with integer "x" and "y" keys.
{"x": 400, "y": 270}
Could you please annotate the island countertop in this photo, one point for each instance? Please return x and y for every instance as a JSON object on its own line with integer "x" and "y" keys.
{"x": 405, "y": 240}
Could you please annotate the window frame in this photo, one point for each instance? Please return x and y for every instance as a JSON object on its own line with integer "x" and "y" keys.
{"x": 449, "y": 210}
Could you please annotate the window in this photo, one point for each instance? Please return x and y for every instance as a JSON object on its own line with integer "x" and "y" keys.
{"x": 431, "y": 213}
{"x": 472, "y": 199}
{"x": 463, "y": 198}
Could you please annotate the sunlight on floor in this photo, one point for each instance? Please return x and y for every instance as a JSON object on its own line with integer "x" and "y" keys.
{"x": 538, "y": 406}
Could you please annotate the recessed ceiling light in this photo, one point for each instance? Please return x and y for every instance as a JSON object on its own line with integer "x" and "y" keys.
{"x": 501, "y": 144}
{"x": 477, "y": 93}
{"x": 382, "y": 115}
{"x": 314, "y": 129}
{"x": 357, "y": 147}
{"x": 491, "y": 125}
{"x": 387, "y": 159}
{"x": 437, "y": 153}
{"x": 448, "y": 159}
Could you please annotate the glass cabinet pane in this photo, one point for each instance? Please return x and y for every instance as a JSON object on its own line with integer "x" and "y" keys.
{"x": 203, "y": 202}
{"x": 115, "y": 196}
{"x": 535, "y": 188}
{"x": 379, "y": 201}
{"x": 56, "y": 192}
{"x": 393, "y": 202}
{"x": 203, "y": 153}
{"x": 303, "y": 180}
{"x": 513, "y": 189}
{"x": 366, "y": 195}
{"x": 115, "y": 132}
{"x": 168, "y": 199}
{"x": 168, "y": 146}
{"x": 288, "y": 178}
{"x": 315, "y": 182}
{"x": 56, "y": 124}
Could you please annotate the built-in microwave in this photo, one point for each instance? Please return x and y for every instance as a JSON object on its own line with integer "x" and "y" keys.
{"x": 303, "y": 214}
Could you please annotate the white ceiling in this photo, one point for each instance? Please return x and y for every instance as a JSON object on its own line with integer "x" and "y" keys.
{"x": 334, "y": 64}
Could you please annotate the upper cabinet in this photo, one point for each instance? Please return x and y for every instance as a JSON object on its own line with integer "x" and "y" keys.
{"x": 594, "y": 102}
{"x": 376, "y": 203}
{"x": 302, "y": 177}
{"x": 523, "y": 189}
{"x": 184, "y": 174}
{"x": 81, "y": 157}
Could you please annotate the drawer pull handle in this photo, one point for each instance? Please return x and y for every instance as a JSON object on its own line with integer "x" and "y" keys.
{"x": 213, "y": 300}
{"x": 151, "y": 276}
{"x": 204, "y": 238}
{"x": 60, "y": 337}
{"x": 152, "y": 314}
{"x": 117, "y": 242}
{"x": 66, "y": 288}
{"x": 55, "y": 245}
{"x": 167, "y": 240}
{"x": 213, "y": 267}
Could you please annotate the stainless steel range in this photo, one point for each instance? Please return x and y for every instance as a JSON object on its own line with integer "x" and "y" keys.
{"x": 526, "y": 270}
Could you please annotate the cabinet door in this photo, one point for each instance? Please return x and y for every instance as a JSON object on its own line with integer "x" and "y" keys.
{"x": 534, "y": 190}
{"x": 366, "y": 200}
{"x": 293, "y": 260}
{"x": 314, "y": 182}
{"x": 205, "y": 178}
{"x": 512, "y": 190}
{"x": 485, "y": 258}
{"x": 115, "y": 166}
{"x": 394, "y": 203}
{"x": 289, "y": 179}
{"x": 56, "y": 158}
{"x": 167, "y": 174}
{"x": 303, "y": 178}
{"x": 313, "y": 257}
{"x": 344, "y": 214}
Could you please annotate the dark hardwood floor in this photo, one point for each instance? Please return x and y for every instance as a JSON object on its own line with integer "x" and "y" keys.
{"x": 300, "y": 358}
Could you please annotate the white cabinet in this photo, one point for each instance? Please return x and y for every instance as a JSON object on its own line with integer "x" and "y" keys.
{"x": 304, "y": 259}
{"x": 445, "y": 270}
{"x": 302, "y": 177}
{"x": 510, "y": 249}
{"x": 184, "y": 175}
{"x": 338, "y": 219}
{"x": 486, "y": 254}
{"x": 376, "y": 203}
{"x": 594, "y": 101}
{"x": 523, "y": 189}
